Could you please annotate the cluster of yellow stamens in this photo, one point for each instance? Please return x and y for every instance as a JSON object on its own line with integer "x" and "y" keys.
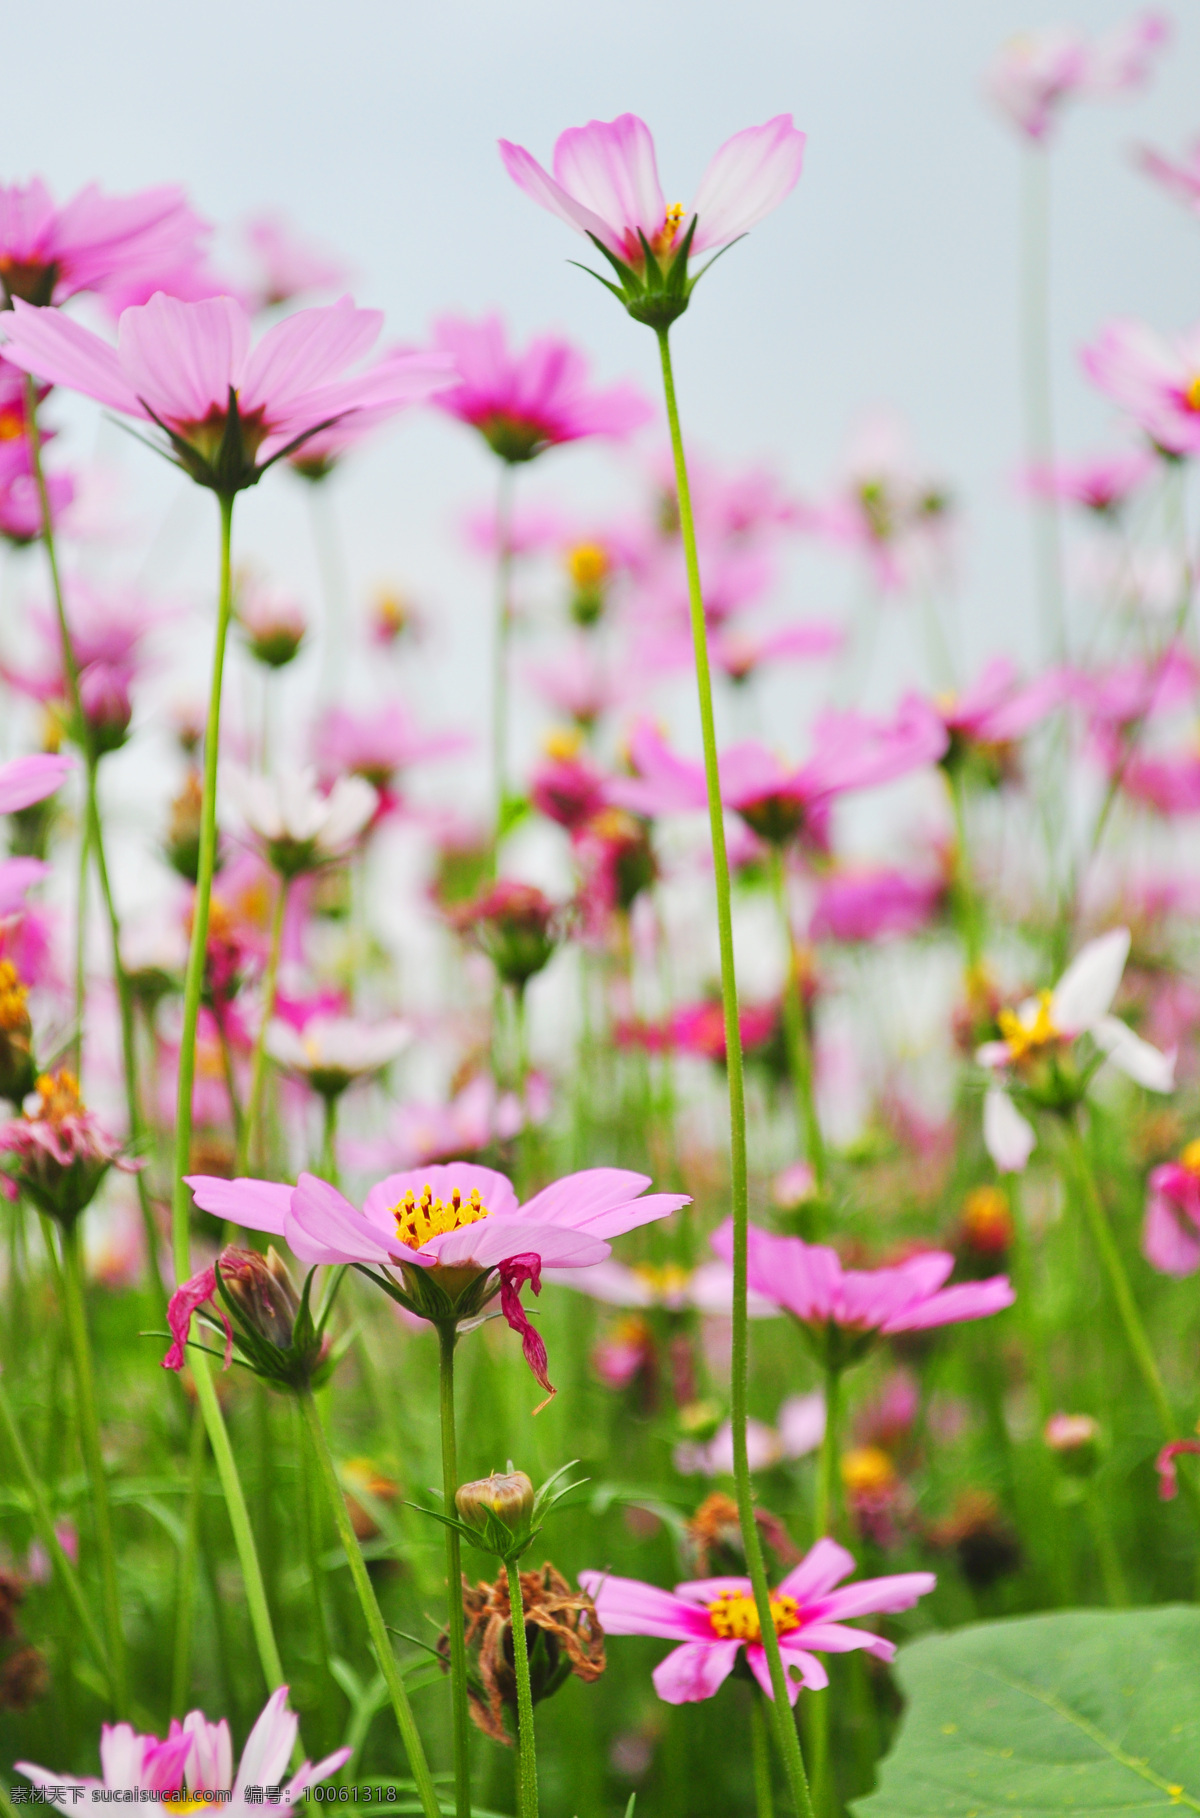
{"x": 588, "y": 564}
{"x": 13, "y": 1014}
{"x": 663, "y": 1278}
{"x": 1192, "y": 394}
{"x": 734, "y": 1616}
{"x": 59, "y": 1096}
{"x": 417, "y": 1220}
{"x": 664, "y": 239}
{"x": 1189, "y": 1157}
{"x": 1025, "y": 1038}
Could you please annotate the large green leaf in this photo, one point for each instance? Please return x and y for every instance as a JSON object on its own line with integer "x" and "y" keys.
{"x": 1089, "y": 1713}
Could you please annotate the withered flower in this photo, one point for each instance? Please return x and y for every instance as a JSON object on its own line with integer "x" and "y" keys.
{"x": 562, "y": 1632}
{"x": 713, "y": 1537}
{"x": 57, "y": 1152}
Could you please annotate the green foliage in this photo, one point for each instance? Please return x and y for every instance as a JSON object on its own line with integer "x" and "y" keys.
{"x": 1088, "y": 1712}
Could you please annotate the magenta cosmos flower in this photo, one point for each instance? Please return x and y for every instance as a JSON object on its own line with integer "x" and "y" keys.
{"x": 522, "y": 404}
{"x": 1033, "y": 74}
{"x": 1171, "y": 1233}
{"x": 713, "y": 1619}
{"x": 1154, "y": 379}
{"x": 1101, "y": 483}
{"x": 443, "y": 1240}
{"x": 50, "y": 252}
{"x": 605, "y": 185}
{"x": 228, "y": 410}
{"x": 843, "y": 1311}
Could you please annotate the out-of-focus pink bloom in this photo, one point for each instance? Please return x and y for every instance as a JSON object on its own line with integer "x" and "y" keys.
{"x": 25, "y": 928}
{"x": 272, "y": 621}
{"x": 730, "y": 504}
{"x": 1170, "y": 784}
{"x": 794, "y": 1186}
{"x": 472, "y": 1121}
{"x": 887, "y": 1419}
{"x": 1164, "y": 1464}
{"x": 330, "y": 1053}
{"x": 1171, "y": 1233}
{"x": 735, "y": 577}
{"x": 567, "y": 787}
{"x": 706, "y": 1289}
{"x": 625, "y": 1352}
{"x": 294, "y": 825}
{"x": 229, "y": 410}
{"x": 874, "y": 904}
{"x": 460, "y": 1222}
{"x": 1032, "y": 75}
{"x": 1125, "y": 693}
{"x": 699, "y": 1029}
{"x": 21, "y": 517}
{"x": 38, "y": 1568}
{"x": 998, "y": 708}
{"x": 809, "y": 1282}
{"x": 1180, "y": 179}
{"x": 288, "y": 266}
{"x": 57, "y": 1150}
{"x": 109, "y": 631}
{"x": 26, "y": 780}
{"x": 378, "y": 744}
{"x": 577, "y": 681}
{"x": 320, "y": 453}
{"x": 885, "y": 506}
{"x": 1101, "y": 483}
{"x": 714, "y": 1458}
{"x": 715, "y": 1618}
{"x": 531, "y": 530}
{"x": 49, "y": 252}
{"x": 198, "y": 1755}
{"x": 1155, "y": 379}
{"x": 741, "y": 652}
{"x": 605, "y": 185}
{"x": 523, "y": 404}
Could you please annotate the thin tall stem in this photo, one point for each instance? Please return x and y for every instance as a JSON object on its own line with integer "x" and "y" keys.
{"x": 258, "y": 1065}
{"x": 760, "y": 1754}
{"x": 89, "y": 1439}
{"x": 1039, "y": 416}
{"x": 329, "y": 1121}
{"x": 781, "y": 1713}
{"x": 527, "y": 1780}
{"x": 824, "y": 1518}
{"x": 795, "y": 1028}
{"x": 456, "y": 1622}
{"x": 500, "y": 640}
{"x": 185, "y": 1596}
{"x": 376, "y": 1628}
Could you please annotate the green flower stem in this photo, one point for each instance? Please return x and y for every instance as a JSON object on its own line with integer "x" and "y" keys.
{"x": 329, "y": 1121}
{"x": 500, "y": 640}
{"x": 185, "y": 1596}
{"x": 312, "y": 1541}
{"x": 781, "y": 1715}
{"x": 376, "y": 1628}
{"x": 965, "y": 900}
{"x": 89, "y": 1437}
{"x": 760, "y": 1752}
{"x": 1112, "y": 1576}
{"x": 43, "y": 1523}
{"x": 456, "y": 1620}
{"x": 795, "y": 1027}
{"x": 824, "y": 1521}
{"x": 258, "y": 1065}
{"x": 527, "y": 1781}
{"x": 1136, "y": 1336}
{"x": 80, "y": 983}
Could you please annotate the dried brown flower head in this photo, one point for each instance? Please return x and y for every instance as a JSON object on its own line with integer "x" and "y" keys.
{"x": 563, "y": 1635}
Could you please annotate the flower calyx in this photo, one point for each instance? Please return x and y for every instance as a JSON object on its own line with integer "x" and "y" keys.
{"x": 653, "y": 282}
{"x": 263, "y": 1315}
{"x": 220, "y": 451}
{"x": 502, "y": 1514}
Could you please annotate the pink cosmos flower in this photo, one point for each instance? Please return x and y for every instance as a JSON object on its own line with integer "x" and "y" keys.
{"x": 1181, "y": 180}
{"x": 886, "y": 506}
{"x": 1124, "y": 693}
{"x": 21, "y": 515}
{"x": 287, "y": 265}
{"x": 109, "y": 630}
{"x": 198, "y": 1755}
{"x": 447, "y": 1238}
{"x": 874, "y": 904}
{"x": 522, "y": 404}
{"x": 1033, "y": 74}
{"x": 740, "y": 651}
{"x": 809, "y": 1282}
{"x": 26, "y": 780}
{"x": 26, "y": 930}
{"x": 228, "y": 410}
{"x": 715, "y": 1618}
{"x": 1100, "y": 483}
{"x": 998, "y": 708}
{"x": 49, "y": 253}
{"x": 378, "y": 744}
{"x": 605, "y": 185}
{"x": 475, "y": 1119}
{"x": 1171, "y": 1233}
{"x": 706, "y": 1289}
{"x": 1153, "y": 378}
{"x": 798, "y": 1431}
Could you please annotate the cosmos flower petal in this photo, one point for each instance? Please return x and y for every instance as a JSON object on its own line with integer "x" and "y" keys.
{"x": 541, "y": 187}
{"x": 831, "y": 1638}
{"x": 26, "y": 780}
{"x": 1008, "y": 1137}
{"x": 442, "y": 1178}
{"x": 59, "y": 350}
{"x": 182, "y": 358}
{"x": 1168, "y": 1243}
{"x": 322, "y": 1220}
{"x": 1086, "y": 989}
{"x": 1138, "y": 1059}
{"x": 303, "y": 351}
{"x": 626, "y": 1606}
{"x": 748, "y": 177}
{"x": 817, "y": 1572}
{"x": 577, "y": 1198}
{"x": 258, "y": 1205}
{"x": 815, "y": 1674}
{"x": 694, "y": 1671}
{"x": 873, "y": 1596}
{"x": 967, "y": 1300}
{"x": 269, "y": 1744}
{"x": 609, "y": 167}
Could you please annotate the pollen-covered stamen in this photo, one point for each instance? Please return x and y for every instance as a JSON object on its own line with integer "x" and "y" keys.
{"x": 1191, "y": 395}
{"x": 13, "y": 1013}
{"x": 666, "y": 236}
{"x": 1024, "y": 1038}
{"x": 734, "y": 1616}
{"x": 417, "y": 1220}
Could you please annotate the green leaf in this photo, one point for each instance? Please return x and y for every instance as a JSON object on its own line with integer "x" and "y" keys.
{"x": 1087, "y": 1713}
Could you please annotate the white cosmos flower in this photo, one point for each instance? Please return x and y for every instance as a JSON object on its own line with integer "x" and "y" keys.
{"x": 298, "y": 826}
{"x": 331, "y": 1052}
{"x": 1078, "y": 1005}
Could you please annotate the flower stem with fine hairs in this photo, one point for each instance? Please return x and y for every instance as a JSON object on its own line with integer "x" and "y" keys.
{"x": 527, "y": 1781}
{"x": 376, "y": 1627}
{"x": 795, "y": 1027}
{"x": 824, "y": 1519}
{"x": 185, "y": 1597}
{"x": 781, "y": 1715}
{"x": 456, "y": 1620}
{"x": 258, "y": 1064}
{"x": 89, "y": 1439}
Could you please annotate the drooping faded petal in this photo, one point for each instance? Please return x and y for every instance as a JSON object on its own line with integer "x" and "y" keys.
{"x": 183, "y": 1303}
{"x": 1086, "y": 989}
{"x": 748, "y": 177}
{"x": 1138, "y": 1059}
{"x": 1008, "y": 1137}
{"x": 514, "y": 1273}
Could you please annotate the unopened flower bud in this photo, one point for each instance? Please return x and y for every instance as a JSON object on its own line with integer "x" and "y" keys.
{"x": 272, "y": 623}
{"x": 508, "y": 1495}
{"x": 107, "y": 709}
{"x": 1076, "y": 1440}
{"x": 263, "y": 1293}
{"x": 516, "y": 926}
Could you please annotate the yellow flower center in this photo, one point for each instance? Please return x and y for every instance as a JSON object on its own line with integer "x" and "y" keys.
{"x": 1190, "y": 1158}
{"x": 664, "y": 239}
{"x": 867, "y": 1471}
{"x": 1025, "y": 1038}
{"x": 12, "y": 425}
{"x": 734, "y": 1616}
{"x": 1192, "y": 394}
{"x": 986, "y": 1217}
{"x": 417, "y": 1220}
{"x": 587, "y": 565}
{"x": 13, "y": 1014}
{"x": 562, "y": 743}
{"x": 189, "y": 1803}
{"x": 663, "y": 1278}
{"x": 59, "y": 1095}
